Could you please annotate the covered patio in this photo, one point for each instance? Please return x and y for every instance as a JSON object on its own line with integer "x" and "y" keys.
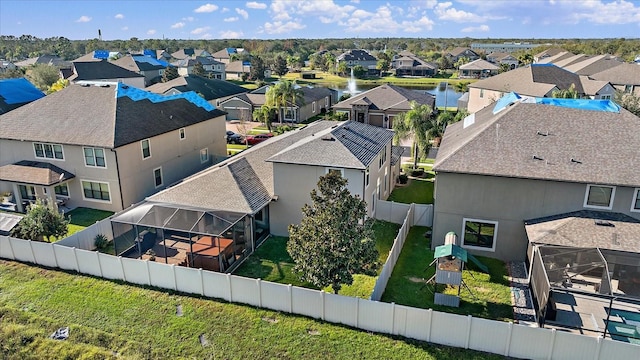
{"x": 209, "y": 239}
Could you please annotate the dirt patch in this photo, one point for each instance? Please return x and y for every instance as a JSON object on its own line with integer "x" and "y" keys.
{"x": 270, "y": 320}
{"x": 313, "y": 332}
{"x": 416, "y": 280}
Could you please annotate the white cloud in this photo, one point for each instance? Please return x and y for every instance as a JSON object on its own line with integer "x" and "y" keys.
{"x": 207, "y": 8}
{"x": 224, "y": 10}
{"x": 329, "y": 11}
{"x": 151, "y": 31}
{"x": 444, "y": 11}
{"x": 119, "y": 16}
{"x": 279, "y": 27}
{"x": 84, "y": 18}
{"x": 280, "y": 10}
{"x": 381, "y": 21}
{"x": 200, "y": 30}
{"x": 475, "y": 29}
{"x": 595, "y": 11}
{"x": 243, "y": 13}
{"x": 231, "y": 34}
{"x": 355, "y": 1}
{"x": 256, "y": 5}
{"x": 231, "y": 19}
{"x": 422, "y": 24}
{"x": 124, "y": 28}
{"x": 188, "y": 18}
{"x": 178, "y": 25}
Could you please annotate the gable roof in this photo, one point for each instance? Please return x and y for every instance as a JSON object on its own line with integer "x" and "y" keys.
{"x": 237, "y": 66}
{"x": 209, "y": 88}
{"x": 243, "y": 183}
{"x": 98, "y": 55}
{"x": 531, "y": 80}
{"x": 139, "y": 63}
{"x": 100, "y": 70}
{"x": 204, "y": 60}
{"x": 479, "y": 64}
{"x": 593, "y": 65}
{"x": 386, "y": 97}
{"x": 348, "y": 145}
{"x": 227, "y": 52}
{"x": 356, "y": 55}
{"x": 623, "y": 74}
{"x": 549, "y": 52}
{"x": 557, "y": 57}
{"x": 17, "y": 92}
{"x": 189, "y": 52}
{"x": 458, "y": 51}
{"x": 505, "y": 144}
{"x": 107, "y": 116}
{"x": 44, "y": 59}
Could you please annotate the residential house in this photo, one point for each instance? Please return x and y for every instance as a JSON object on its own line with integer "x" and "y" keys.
{"x": 314, "y": 101}
{"x": 106, "y": 146}
{"x": 624, "y": 77}
{"x": 528, "y": 159}
{"x": 163, "y": 55}
{"x": 360, "y": 57}
{"x": 554, "y": 58}
{"x": 547, "y": 53}
{"x": 6, "y": 65}
{"x": 460, "y": 52}
{"x": 408, "y": 64}
{"x": 151, "y": 68}
{"x": 216, "y": 218}
{"x": 236, "y": 69}
{"x": 507, "y": 47}
{"x": 477, "y": 69}
{"x": 100, "y": 55}
{"x": 381, "y": 104}
{"x": 212, "y": 90}
{"x": 227, "y": 55}
{"x": 17, "y": 92}
{"x": 53, "y": 60}
{"x": 500, "y": 58}
{"x": 104, "y": 72}
{"x": 593, "y": 64}
{"x": 538, "y": 80}
{"x": 189, "y": 53}
{"x": 213, "y": 69}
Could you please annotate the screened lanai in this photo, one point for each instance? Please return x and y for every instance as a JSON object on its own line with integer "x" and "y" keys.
{"x": 208, "y": 239}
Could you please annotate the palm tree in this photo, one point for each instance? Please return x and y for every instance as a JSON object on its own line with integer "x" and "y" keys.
{"x": 570, "y": 93}
{"x": 419, "y": 122}
{"x": 263, "y": 114}
{"x": 283, "y": 93}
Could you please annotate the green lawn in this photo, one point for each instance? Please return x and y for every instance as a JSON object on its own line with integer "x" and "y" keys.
{"x": 406, "y": 285}
{"x": 272, "y": 262}
{"x": 108, "y": 320}
{"x": 417, "y": 190}
{"x": 80, "y": 218}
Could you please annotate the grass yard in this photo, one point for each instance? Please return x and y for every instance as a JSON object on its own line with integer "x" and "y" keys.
{"x": 108, "y": 320}
{"x": 81, "y": 218}
{"x": 417, "y": 190}
{"x": 271, "y": 262}
{"x": 406, "y": 285}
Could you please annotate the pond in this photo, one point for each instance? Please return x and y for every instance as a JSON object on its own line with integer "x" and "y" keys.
{"x": 444, "y": 95}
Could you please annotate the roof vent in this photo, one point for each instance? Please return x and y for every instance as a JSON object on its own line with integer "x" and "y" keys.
{"x": 85, "y": 85}
{"x": 576, "y": 161}
{"x": 542, "y": 134}
{"x": 535, "y": 157}
{"x": 104, "y": 85}
{"x": 328, "y": 138}
{"x": 604, "y": 223}
{"x": 334, "y": 126}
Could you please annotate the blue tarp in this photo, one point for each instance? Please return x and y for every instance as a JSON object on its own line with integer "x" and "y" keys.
{"x": 149, "y": 52}
{"x": 505, "y": 101}
{"x": 136, "y": 94}
{"x": 582, "y": 104}
{"x": 149, "y": 60}
{"x": 101, "y": 54}
{"x": 18, "y": 91}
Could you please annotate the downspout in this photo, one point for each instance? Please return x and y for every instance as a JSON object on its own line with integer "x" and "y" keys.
{"x": 118, "y": 175}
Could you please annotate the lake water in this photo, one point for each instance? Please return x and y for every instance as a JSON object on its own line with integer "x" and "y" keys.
{"x": 443, "y": 96}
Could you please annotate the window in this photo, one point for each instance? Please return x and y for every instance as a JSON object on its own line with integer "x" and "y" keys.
{"x": 366, "y": 177}
{"x": 628, "y": 89}
{"x": 599, "y": 197}
{"x": 605, "y": 97}
{"x": 95, "y": 190}
{"x": 157, "y": 176}
{"x": 182, "y": 135}
{"x": 94, "y": 157}
{"x": 146, "y": 148}
{"x": 635, "y": 204}
{"x": 386, "y": 180}
{"x": 27, "y": 192}
{"x": 204, "y": 155}
{"x": 62, "y": 190}
{"x": 480, "y": 234}
{"x": 313, "y": 107}
{"x": 383, "y": 158}
{"x": 335, "y": 170}
{"x": 326, "y": 101}
{"x": 48, "y": 151}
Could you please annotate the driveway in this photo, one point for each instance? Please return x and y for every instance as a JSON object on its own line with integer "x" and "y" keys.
{"x": 233, "y": 126}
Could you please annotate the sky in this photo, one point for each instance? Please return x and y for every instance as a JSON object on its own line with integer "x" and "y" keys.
{"x": 282, "y": 19}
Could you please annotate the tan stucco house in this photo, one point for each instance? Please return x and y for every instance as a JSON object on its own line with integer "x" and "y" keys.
{"x": 106, "y": 146}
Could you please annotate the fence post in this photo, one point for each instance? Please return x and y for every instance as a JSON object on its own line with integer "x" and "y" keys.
{"x": 229, "y": 283}
{"x": 553, "y": 342}
{"x": 322, "y": 298}
{"x": 33, "y": 255}
{"x": 55, "y": 257}
{"x": 175, "y": 280}
{"x": 357, "y": 311}
{"x": 75, "y": 256}
{"x": 201, "y": 281}
{"x": 259, "y": 283}
{"x": 124, "y": 274}
{"x": 430, "y": 322}
{"x": 508, "y": 345}
{"x": 596, "y": 356}
{"x": 100, "y": 265}
{"x": 148, "y": 272}
{"x": 393, "y": 317}
{"x": 13, "y": 255}
{"x": 470, "y": 320}
{"x": 290, "y": 288}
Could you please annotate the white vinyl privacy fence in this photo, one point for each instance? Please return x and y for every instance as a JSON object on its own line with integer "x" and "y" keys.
{"x": 426, "y": 325}
{"x": 396, "y": 212}
{"x": 85, "y": 239}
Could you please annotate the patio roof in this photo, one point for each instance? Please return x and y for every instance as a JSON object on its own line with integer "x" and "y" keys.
{"x": 171, "y": 217}
{"x": 34, "y": 172}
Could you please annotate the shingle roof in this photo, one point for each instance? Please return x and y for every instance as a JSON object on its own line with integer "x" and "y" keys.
{"x": 185, "y": 53}
{"x": 594, "y": 64}
{"x": 356, "y": 55}
{"x": 549, "y": 52}
{"x": 459, "y": 51}
{"x": 388, "y": 96}
{"x": 209, "y": 88}
{"x": 101, "y": 116}
{"x": 479, "y": 65}
{"x": 623, "y": 74}
{"x": 100, "y": 70}
{"x": 140, "y": 63}
{"x": 34, "y": 172}
{"x": 243, "y": 183}
{"x": 557, "y": 57}
{"x": 504, "y": 144}
{"x": 17, "y": 92}
{"x": 579, "y": 229}
{"x": 237, "y": 67}
{"x": 348, "y": 145}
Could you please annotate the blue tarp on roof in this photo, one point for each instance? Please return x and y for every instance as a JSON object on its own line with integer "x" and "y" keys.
{"x": 231, "y": 51}
{"x": 18, "y": 91}
{"x": 505, "y": 101}
{"x": 136, "y": 94}
{"x": 150, "y": 60}
{"x": 100, "y": 54}
{"x": 149, "y": 52}
{"x": 582, "y": 104}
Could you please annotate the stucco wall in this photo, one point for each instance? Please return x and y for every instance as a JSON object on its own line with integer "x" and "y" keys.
{"x": 509, "y": 202}
{"x": 476, "y": 102}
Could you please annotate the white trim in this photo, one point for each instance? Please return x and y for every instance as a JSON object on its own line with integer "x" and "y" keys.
{"x": 142, "y": 148}
{"x": 110, "y": 201}
{"x": 586, "y": 197}
{"x": 182, "y": 134}
{"x": 161, "y": 177}
{"x": 326, "y": 170}
{"x": 495, "y": 235}
{"x": 33, "y": 145}
{"x": 207, "y": 153}
{"x": 313, "y": 107}
{"x": 66, "y": 183}
{"x": 93, "y": 148}
{"x": 636, "y": 195}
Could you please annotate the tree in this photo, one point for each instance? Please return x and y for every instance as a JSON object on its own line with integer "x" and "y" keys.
{"x": 58, "y": 85}
{"x": 263, "y": 114}
{"x": 461, "y": 86}
{"x": 43, "y": 76}
{"x": 282, "y": 94}
{"x": 629, "y": 101}
{"x": 359, "y": 71}
{"x": 569, "y": 93}
{"x": 170, "y": 73}
{"x": 419, "y": 122}
{"x": 41, "y": 223}
{"x": 257, "y": 69}
{"x": 334, "y": 239}
{"x": 198, "y": 69}
{"x": 343, "y": 69}
{"x": 281, "y": 66}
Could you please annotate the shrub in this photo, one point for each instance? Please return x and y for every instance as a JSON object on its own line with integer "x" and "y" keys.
{"x": 100, "y": 241}
{"x": 417, "y": 172}
{"x": 403, "y": 178}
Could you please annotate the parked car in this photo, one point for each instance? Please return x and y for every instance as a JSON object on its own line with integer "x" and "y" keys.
{"x": 256, "y": 139}
{"x": 234, "y": 138}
